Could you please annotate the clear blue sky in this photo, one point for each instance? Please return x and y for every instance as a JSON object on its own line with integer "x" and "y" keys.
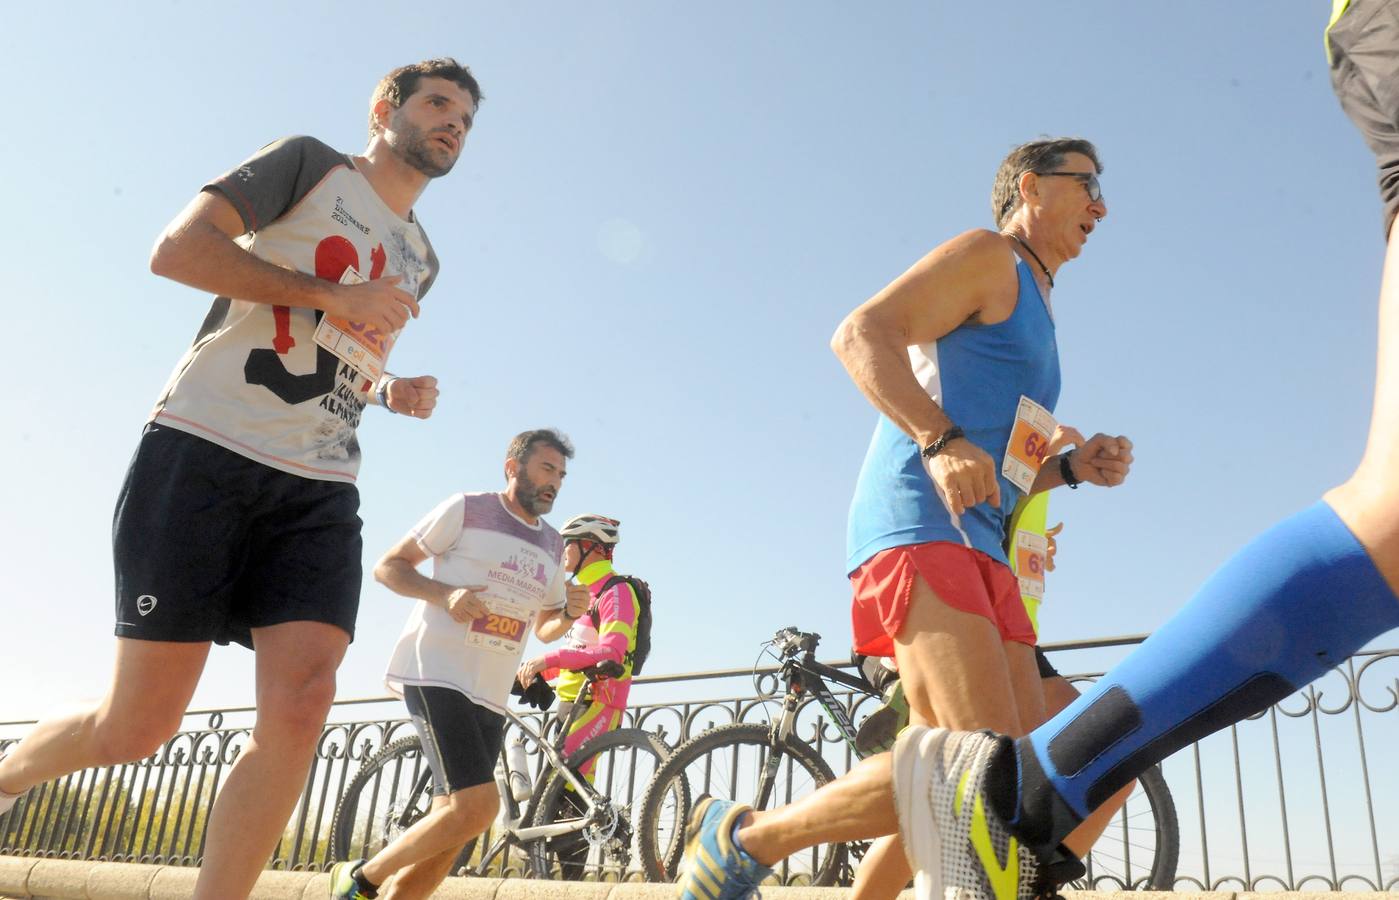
{"x": 660, "y": 217}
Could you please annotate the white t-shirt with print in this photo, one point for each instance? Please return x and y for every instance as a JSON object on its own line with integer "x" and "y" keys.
{"x": 474, "y": 540}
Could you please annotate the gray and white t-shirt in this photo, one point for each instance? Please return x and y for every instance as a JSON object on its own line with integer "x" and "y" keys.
{"x": 254, "y": 381}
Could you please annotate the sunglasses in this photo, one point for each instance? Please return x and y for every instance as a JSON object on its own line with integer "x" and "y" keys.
{"x": 1087, "y": 179}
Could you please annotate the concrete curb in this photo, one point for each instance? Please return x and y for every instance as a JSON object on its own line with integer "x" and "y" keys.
{"x": 58, "y": 879}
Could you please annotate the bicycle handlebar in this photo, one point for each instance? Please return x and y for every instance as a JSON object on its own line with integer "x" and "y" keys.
{"x": 606, "y": 669}
{"x": 791, "y": 641}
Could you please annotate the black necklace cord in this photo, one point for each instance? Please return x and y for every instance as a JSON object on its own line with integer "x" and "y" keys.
{"x": 1043, "y": 268}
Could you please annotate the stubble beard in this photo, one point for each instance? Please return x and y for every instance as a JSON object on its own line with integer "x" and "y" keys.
{"x": 527, "y": 492}
{"x": 418, "y": 153}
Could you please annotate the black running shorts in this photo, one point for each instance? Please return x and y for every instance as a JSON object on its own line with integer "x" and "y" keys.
{"x": 1046, "y": 667}
{"x": 1364, "y": 48}
{"x": 209, "y": 544}
{"x": 460, "y": 739}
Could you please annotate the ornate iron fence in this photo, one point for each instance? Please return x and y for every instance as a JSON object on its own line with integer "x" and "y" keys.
{"x": 1299, "y": 797}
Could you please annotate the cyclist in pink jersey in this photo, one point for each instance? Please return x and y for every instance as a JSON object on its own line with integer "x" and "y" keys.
{"x": 616, "y": 628}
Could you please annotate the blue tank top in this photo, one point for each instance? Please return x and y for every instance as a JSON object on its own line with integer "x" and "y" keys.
{"x": 977, "y": 374}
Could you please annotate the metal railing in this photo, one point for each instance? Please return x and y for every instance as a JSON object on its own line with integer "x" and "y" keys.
{"x": 1299, "y": 797}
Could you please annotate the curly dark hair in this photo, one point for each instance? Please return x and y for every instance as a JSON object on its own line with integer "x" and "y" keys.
{"x": 399, "y": 85}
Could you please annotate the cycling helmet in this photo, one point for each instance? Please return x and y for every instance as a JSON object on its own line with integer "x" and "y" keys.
{"x": 591, "y": 528}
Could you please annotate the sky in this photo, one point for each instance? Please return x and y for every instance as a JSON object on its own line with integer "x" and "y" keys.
{"x": 661, "y": 215}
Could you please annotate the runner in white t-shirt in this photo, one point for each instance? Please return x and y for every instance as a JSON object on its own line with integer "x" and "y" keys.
{"x": 496, "y": 571}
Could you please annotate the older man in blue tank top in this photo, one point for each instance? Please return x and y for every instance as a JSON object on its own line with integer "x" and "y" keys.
{"x": 958, "y": 355}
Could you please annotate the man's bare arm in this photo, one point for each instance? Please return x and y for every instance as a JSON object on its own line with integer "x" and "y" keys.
{"x": 553, "y": 624}
{"x": 940, "y": 292}
{"x": 197, "y": 249}
{"x": 398, "y": 571}
{"x": 553, "y": 627}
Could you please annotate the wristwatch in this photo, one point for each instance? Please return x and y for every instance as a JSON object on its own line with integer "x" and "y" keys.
{"x": 942, "y": 441}
{"x": 1066, "y": 472}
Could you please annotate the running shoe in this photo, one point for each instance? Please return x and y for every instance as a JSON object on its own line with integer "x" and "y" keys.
{"x": 715, "y": 867}
{"x": 879, "y": 730}
{"x": 344, "y": 885}
{"x": 959, "y": 844}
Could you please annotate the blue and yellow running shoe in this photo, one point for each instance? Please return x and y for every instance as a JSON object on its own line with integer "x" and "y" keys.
{"x": 345, "y": 886}
{"x": 959, "y": 844}
{"x": 715, "y": 867}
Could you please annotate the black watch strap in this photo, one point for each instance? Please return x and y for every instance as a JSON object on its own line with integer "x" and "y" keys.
{"x": 943, "y": 440}
{"x": 1066, "y": 472}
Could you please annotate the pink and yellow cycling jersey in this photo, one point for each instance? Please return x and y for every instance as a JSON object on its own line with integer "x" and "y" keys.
{"x": 606, "y": 632}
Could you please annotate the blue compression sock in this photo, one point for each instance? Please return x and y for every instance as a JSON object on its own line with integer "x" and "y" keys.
{"x": 1286, "y": 609}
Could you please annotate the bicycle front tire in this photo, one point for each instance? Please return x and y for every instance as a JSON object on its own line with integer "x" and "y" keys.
{"x": 726, "y": 762}
{"x": 626, "y": 759}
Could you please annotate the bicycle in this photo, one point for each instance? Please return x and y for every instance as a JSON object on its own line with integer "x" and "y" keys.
{"x": 564, "y": 833}
{"x": 768, "y": 765}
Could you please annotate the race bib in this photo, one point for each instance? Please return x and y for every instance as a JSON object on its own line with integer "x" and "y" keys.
{"x": 1031, "y": 551}
{"x": 363, "y": 346}
{"x": 501, "y": 630}
{"x": 1029, "y": 443}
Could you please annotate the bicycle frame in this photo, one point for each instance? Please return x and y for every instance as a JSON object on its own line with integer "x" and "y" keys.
{"x": 806, "y": 675}
{"x": 809, "y": 676}
{"x": 553, "y": 754}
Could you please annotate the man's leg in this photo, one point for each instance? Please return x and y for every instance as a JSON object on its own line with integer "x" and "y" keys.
{"x": 885, "y": 869}
{"x": 1367, "y": 501}
{"x": 1363, "y": 45}
{"x": 421, "y": 858}
{"x": 1058, "y": 694}
{"x": 296, "y": 663}
{"x": 461, "y": 742}
{"x": 151, "y": 688}
{"x": 458, "y": 818}
{"x": 856, "y": 806}
{"x": 954, "y": 666}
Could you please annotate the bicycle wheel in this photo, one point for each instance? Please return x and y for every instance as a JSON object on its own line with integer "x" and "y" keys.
{"x": 624, "y": 762}
{"x": 1141, "y": 845}
{"x": 730, "y": 762}
{"x": 391, "y": 791}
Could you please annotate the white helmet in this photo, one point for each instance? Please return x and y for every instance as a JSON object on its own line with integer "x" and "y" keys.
{"x": 591, "y": 528}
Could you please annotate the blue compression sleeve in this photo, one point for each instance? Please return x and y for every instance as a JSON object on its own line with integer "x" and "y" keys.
{"x": 1290, "y": 606}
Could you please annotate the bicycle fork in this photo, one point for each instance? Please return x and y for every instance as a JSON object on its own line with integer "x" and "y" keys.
{"x": 780, "y": 732}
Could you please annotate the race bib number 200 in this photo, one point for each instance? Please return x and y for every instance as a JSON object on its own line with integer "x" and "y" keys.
{"x": 501, "y": 630}
{"x": 1029, "y": 443}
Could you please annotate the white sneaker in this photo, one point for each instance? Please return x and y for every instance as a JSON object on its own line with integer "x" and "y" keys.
{"x": 956, "y": 844}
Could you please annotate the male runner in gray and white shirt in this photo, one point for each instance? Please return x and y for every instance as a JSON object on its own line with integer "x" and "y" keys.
{"x": 239, "y": 519}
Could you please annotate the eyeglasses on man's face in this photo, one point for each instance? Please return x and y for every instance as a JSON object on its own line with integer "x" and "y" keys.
{"x": 1087, "y": 179}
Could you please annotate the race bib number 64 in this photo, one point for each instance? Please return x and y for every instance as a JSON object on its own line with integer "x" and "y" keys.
{"x": 1029, "y": 443}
